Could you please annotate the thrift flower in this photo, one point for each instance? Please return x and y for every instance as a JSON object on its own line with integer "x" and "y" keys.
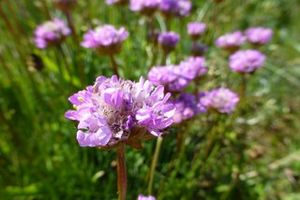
{"x": 221, "y": 100}
{"x": 142, "y": 197}
{"x": 177, "y": 77}
{"x": 187, "y": 106}
{"x": 115, "y": 110}
{"x": 192, "y": 67}
{"x": 231, "y": 41}
{"x": 105, "y": 39}
{"x": 168, "y": 41}
{"x": 196, "y": 29}
{"x": 259, "y": 35}
{"x": 179, "y": 8}
{"x": 147, "y": 7}
{"x": 51, "y": 33}
{"x": 246, "y": 61}
{"x": 168, "y": 77}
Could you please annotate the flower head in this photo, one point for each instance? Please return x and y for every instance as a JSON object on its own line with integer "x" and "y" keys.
{"x": 168, "y": 40}
{"x": 231, "y": 41}
{"x": 142, "y": 197}
{"x": 105, "y": 39}
{"x": 192, "y": 67}
{"x": 147, "y": 7}
{"x": 51, "y": 33}
{"x": 221, "y": 100}
{"x": 65, "y": 5}
{"x": 187, "y": 106}
{"x": 115, "y": 110}
{"x": 177, "y": 77}
{"x": 179, "y": 8}
{"x": 246, "y": 61}
{"x": 259, "y": 35}
{"x": 196, "y": 29}
{"x": 168, "y": 77}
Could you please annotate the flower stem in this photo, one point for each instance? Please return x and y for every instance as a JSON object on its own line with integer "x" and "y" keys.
{"x": 154, "y": 163}
{"x": 243, "y": 87}
{"x": 72, "y": 27}
{"x": 121, "y": 170}
{"x": 114, "y": 64}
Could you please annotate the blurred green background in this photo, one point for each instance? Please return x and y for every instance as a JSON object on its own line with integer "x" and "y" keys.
{"x": 39, "y": 155}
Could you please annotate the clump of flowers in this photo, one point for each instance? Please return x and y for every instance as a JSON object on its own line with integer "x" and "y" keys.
{"x": 231, "y": 41}
{"x": 187, "y": 106}
{"x": 168, "y": 41}
{"x": 259, "y": 35}
{"x": 221, "y": 100}
{"x": 147, "y": 7}
{"x": 105, "y": 39}
{"x": 196, "y": 29}
{"x": 177, "y": 77}
{"x": 246, "y": 61}
{"x": 116, "y": 2}
{"x": 51, "y": 33}
{"x": 113, "y": 111}
{"x": 179, "y": 8}
{"x": 65, "y": 5}
{"x": 142, "y": 197}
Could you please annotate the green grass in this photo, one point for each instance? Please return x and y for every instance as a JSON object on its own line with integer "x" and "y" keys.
{"x": 39, "y": 155}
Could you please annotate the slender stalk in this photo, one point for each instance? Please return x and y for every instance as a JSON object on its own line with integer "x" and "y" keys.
{"x": 122, "y": 173}
{"x": 67, "y": 66}
{"x": 164, "y": 58}
{"x": 243, "y": 87}
{"x": 154, "y": 163}
{"x": 114, "y": 64}
{"x": 72, "y": 27}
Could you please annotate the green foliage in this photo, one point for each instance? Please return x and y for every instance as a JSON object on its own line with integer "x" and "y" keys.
{"x": 40, "y": 158}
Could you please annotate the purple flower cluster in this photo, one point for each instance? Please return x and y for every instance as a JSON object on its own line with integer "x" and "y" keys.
{"x": 196, "y": 29}
{"x": 176, "y": 77}
{"x": 105, "y": 39}
{"x": 221, "y": 100}
{"x": 51, "y": 33}
{"x": 246, "y": 61}
{"x": 168, "y": 40}
{"x": 231, "y": 41}
{"x": 142, "y": 197}
{"x": 179, "y": 8}
{"x": 187, "y": 106}
{"x": 65, "y": 5}
{"x": 147, "y": 7}
{"x": 259, "y": 35}
{"x": 113, "y": 109}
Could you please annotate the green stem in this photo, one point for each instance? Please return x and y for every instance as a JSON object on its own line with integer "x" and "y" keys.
{"x": 243, "y": 87}
{"x": 164, "y": 57}
{"x": 122, "y": 173}
{"x": 114, "y": 64}
{"x": 154, "y": 163}
{"x": 72, "y": 27}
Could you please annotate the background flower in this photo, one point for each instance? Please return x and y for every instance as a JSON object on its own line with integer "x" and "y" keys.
{"x": 105, "y": 39}
{"x": 222, "y": 100}
{"x": 51, "y": 33}
{"x": 259, "y": 35}
{"x": 231, "y": 41}
{"x": 246, "y": 61}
